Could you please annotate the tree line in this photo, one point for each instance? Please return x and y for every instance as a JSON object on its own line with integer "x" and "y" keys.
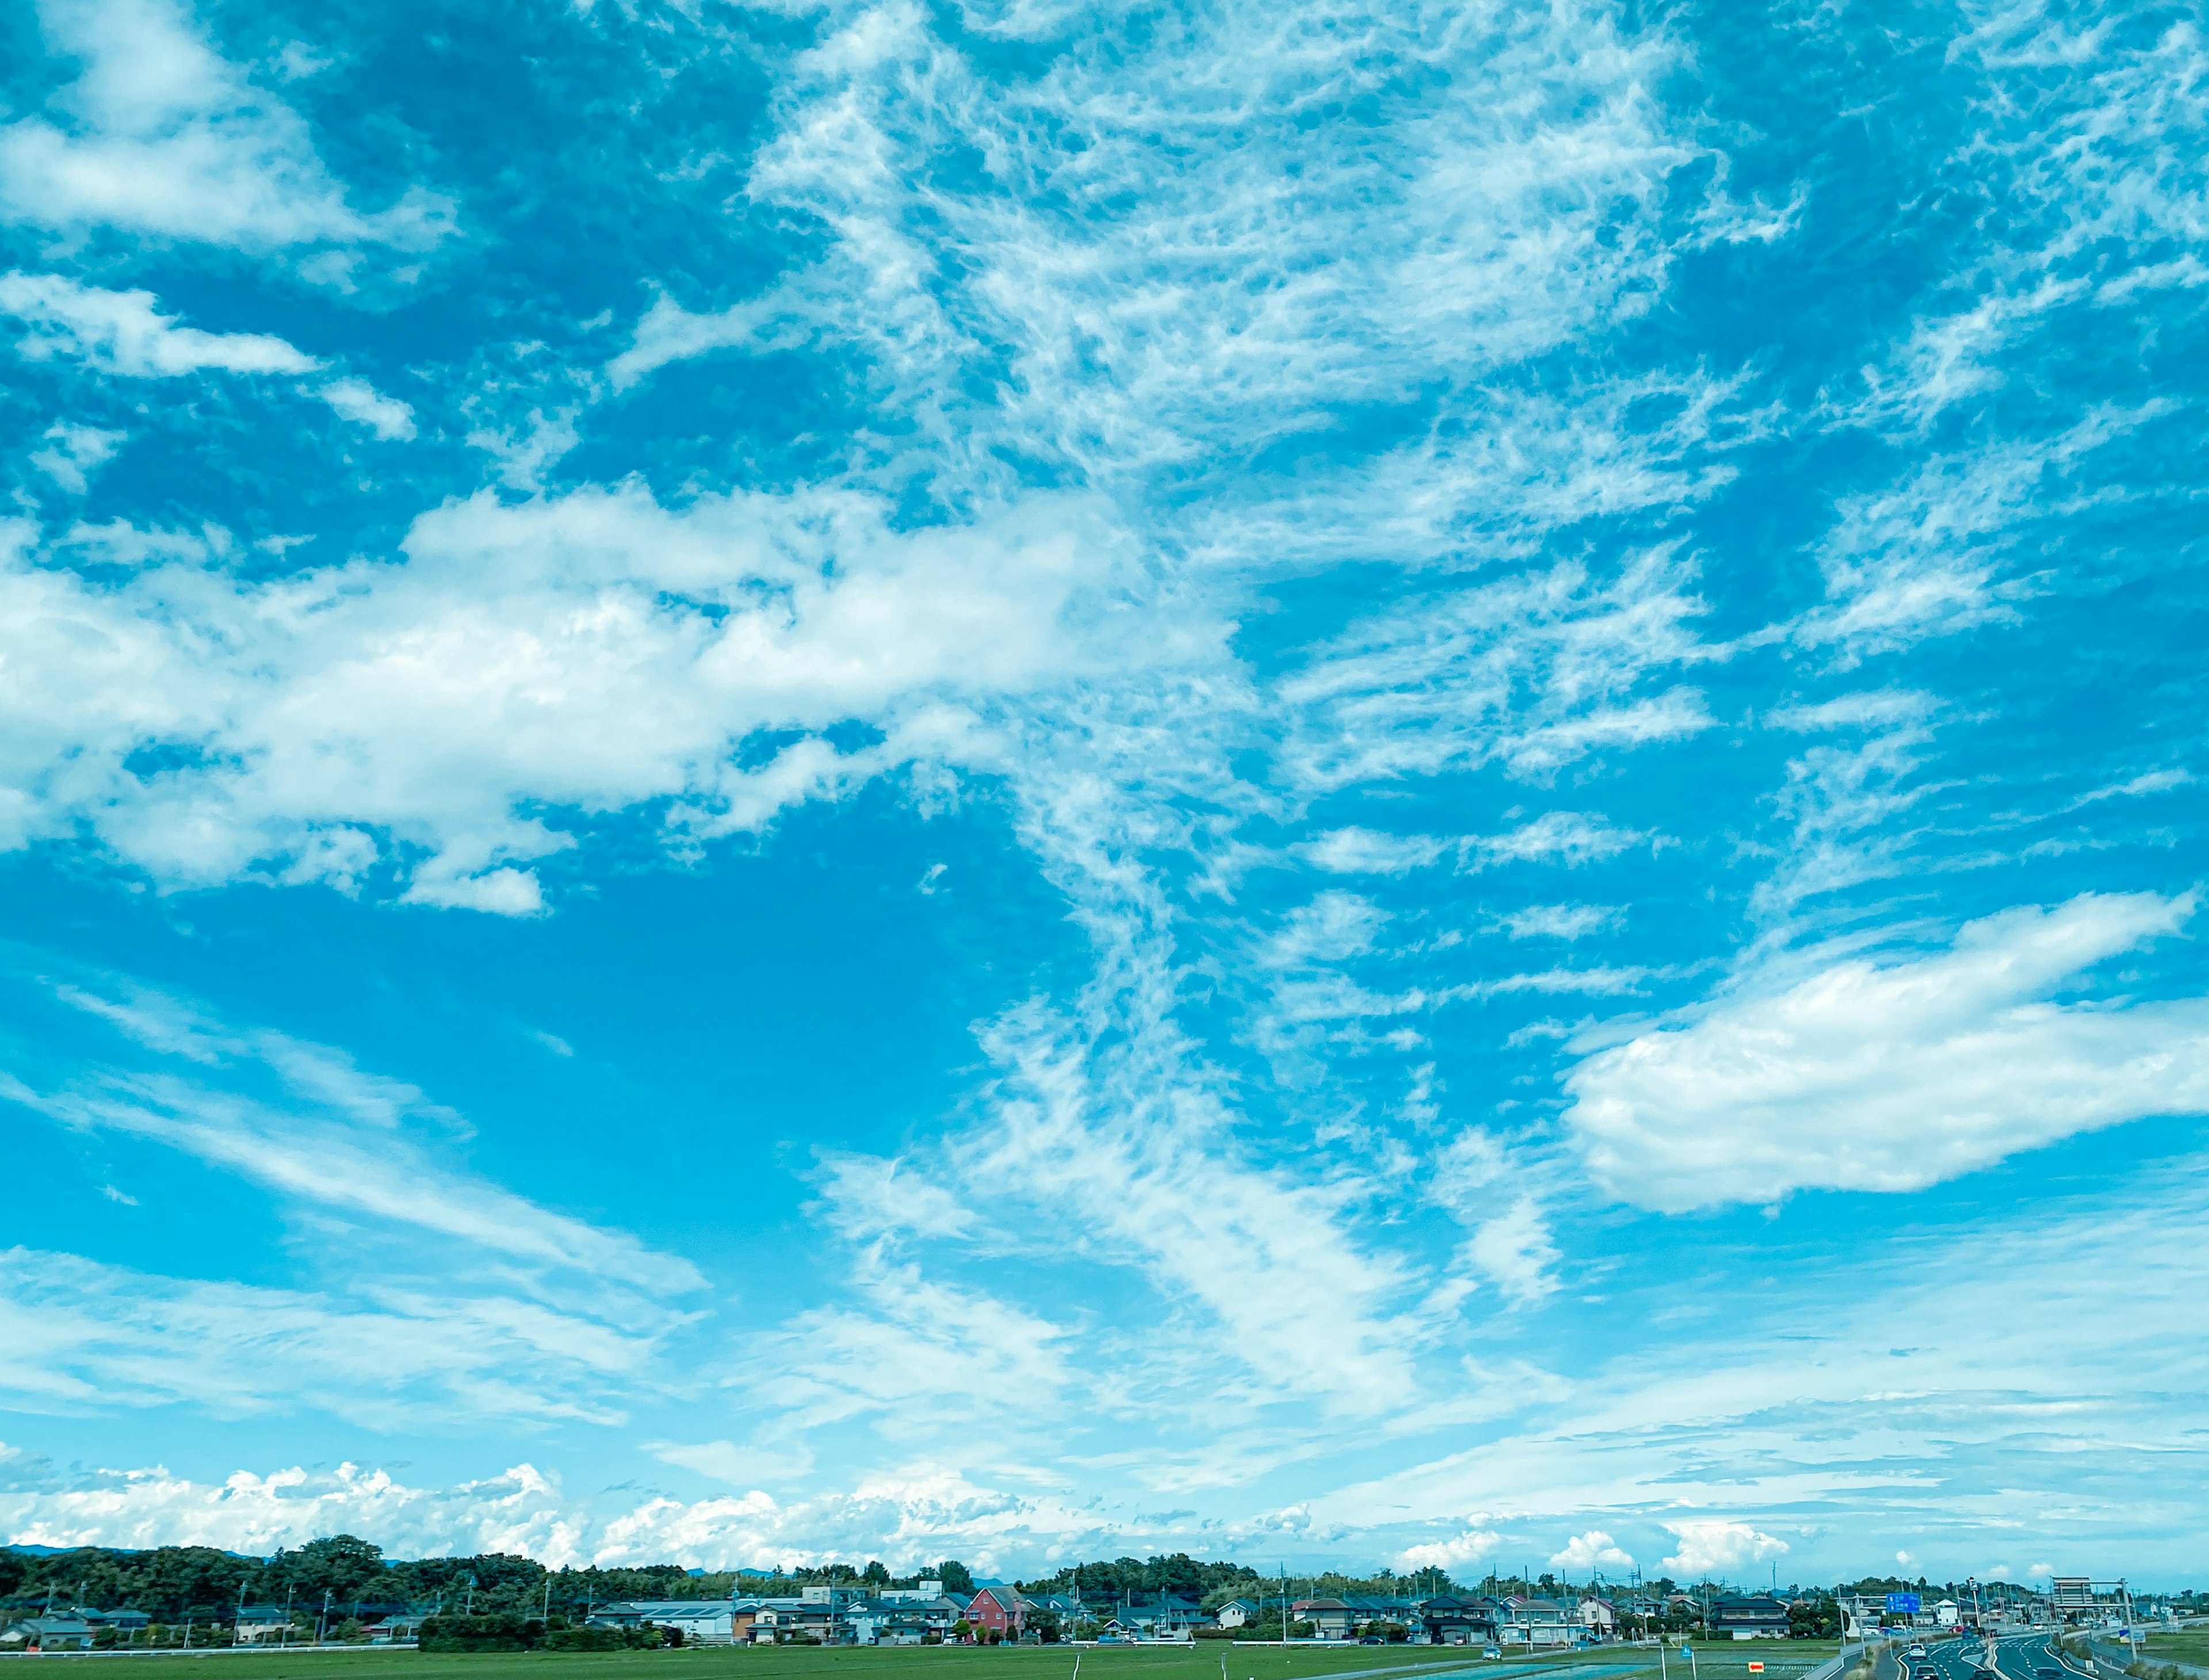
{"x": 175, "y": 1584}
{"x": 200, "y": 1583}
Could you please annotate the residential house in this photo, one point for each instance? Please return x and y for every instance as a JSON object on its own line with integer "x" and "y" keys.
{"x": 1331, "y": 1618}
{"x": 921, "y": 1593}
{"x": 1539, "y": 1622}
{"x": 997, "y": 1610}
{"x": 1238, "y": 1613}
{"x": 50, "y": 1633}
{"x": 1747, "y": 1615}
{"x": 1053, "y": 1614}
{"x": 702, "y": 1621}
{"x": 1371, "y": 1612}
{"x": 773, "y": 1620}
{"x": 1599, "y": 1616}
{"x": 1450, "y": 1621}
{"x": 912, "y": 1620}
{"x": 256, "y": 1624}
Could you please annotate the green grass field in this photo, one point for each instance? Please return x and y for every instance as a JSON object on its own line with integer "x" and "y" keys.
{"x": 2191, "y": 1645}
{"x": 1207, "y": 1661}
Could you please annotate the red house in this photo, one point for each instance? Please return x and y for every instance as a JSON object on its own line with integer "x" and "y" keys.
{"x": 997, "y": 1610}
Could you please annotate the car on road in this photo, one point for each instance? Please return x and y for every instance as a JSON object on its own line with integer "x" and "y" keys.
{"x": 1491, "y": 1654}
{"x": 1917, "y": 1651}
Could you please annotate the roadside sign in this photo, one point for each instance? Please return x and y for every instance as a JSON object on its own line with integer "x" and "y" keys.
{"x": 1756, "y": 1668}
{"x": 1902, "y": 1604}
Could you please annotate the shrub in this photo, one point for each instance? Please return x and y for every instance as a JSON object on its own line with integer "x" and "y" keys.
{"x": 497, "y": 1632}
{"x": 589, "y": 1639}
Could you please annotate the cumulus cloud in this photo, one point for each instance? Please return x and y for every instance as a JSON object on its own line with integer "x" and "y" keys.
{"x": 1584, "y": 1554}
{"x": 122, "y": 333}
{"x": 909, "y": 1515}
{"x": 1712, "y": 1549}
{"x": 159, "y": 135}
{"x": 1892, "y": 1077}
{"x": 587, "y": 653}
{"x": 359, "y": 401}
{"x": 1469, "y": 1547}
{"x": 73, "y": 453}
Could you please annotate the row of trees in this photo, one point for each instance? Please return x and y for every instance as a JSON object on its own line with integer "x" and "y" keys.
{"x": 175, "y": 1584}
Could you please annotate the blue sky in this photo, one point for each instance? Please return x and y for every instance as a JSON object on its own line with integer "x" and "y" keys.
{"x": 1411, "y": 785}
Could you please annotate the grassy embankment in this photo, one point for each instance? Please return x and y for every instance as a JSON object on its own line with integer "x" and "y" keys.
{"x": 2189, "y": 1644}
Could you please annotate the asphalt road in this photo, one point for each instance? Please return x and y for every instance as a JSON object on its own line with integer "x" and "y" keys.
{"x": 2017, "y": 1657}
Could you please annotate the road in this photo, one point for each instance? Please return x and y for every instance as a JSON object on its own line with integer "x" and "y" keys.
{"x": 2017, "y": 1657}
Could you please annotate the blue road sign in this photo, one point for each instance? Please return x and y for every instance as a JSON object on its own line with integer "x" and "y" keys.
{"x": 1902, "y": 1604}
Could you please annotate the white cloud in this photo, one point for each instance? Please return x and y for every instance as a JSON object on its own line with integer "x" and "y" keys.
{"x": 159, "y": 135}
{"x": 590, "y": 653}
{"x": 355, "y": 1144}
{"x": 1794, "y": 1398}
{"x": 1584, "y": 1554}
{"x": 1470, "y": 1547}
{"x": 73, "y": 453}
{"x": 82, "y": 1336}
{"x": 1515, "y": 1252}
{"x": 914, "y": 1354}
{"x": 1930, "y": 556}
{"x": 869, "y": 1197}
{"x": 121, "y": 333}
{"x": 119, "y": 543}
{"x": 1534, "y": 672}
{"x": 668, "y": 332}
{"x": 1562, "y": 836}
{"x": 1892, "y": 1077}
{"x": 1560, "y": 921}
{"x": 359, "y": 401}
{"x": 1265, "y": 272}
{"x": 907, "y": 1515}
{"x": 1363, "y": 851}
{"x": 1710, "y": 1548}
{"x": 1148, "y": 1167}
{"x": 2148, "y": 782}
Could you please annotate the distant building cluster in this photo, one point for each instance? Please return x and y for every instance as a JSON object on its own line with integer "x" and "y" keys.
{"x": 993, "y": 1612}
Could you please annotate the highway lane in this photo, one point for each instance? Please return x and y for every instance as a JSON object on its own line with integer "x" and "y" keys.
{"x": 2027, "y": 1656}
